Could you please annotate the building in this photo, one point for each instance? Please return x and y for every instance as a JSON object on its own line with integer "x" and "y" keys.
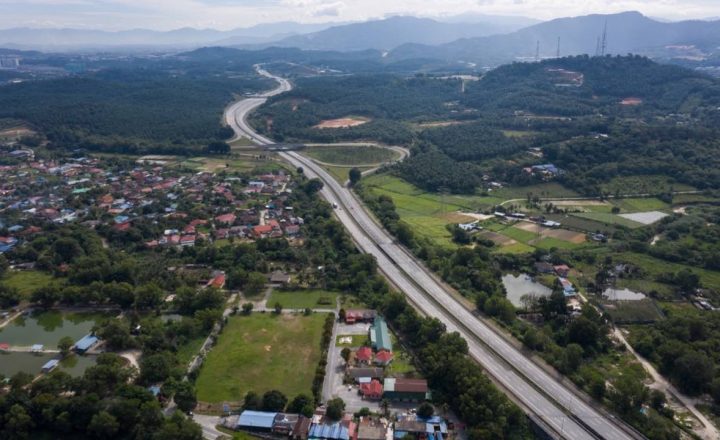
{"x": 329, "y": 431}
{"x": 280, "y": 277}
{"x": 370, "y": 429}
{"x": 562, "y": 270}
{"x": 412, "y": 390}
{"x": 359, "y": 315}
{"x": 371, "y": 373}
{"x": 372, "y": 390}
{"x": 301, "y": 428}
{"x": 50, "y": 365}
{"x": 383, "y": 358}
{"x": 380, "y": 335}
{"x": 256, "y": 421}
{"x": 85, "y": 344}
{"x": 568, "y": 288}
{"x": 544, "y": 267}
{"x": 363, "y": 355}
{"x": 284, "y": 423}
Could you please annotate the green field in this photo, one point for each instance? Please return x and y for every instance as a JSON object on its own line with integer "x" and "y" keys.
{"x": 609, "y": 219}
{"x": 303, "y": 299}
{"x": 626, "y": 312}
{"x": 357, "y": 340}
{"x": 188, "y": 350}
{"x": 519, "y": 234}
{"x": 550, "y": 242}
{"x": 640, "y": 204}
{"x": 27, "y": 281}
{"x": 352, "y": 154}
{"x": 517, "y": 248}
{"x": 262, "y": 352}
{"x": 543, "y": 190}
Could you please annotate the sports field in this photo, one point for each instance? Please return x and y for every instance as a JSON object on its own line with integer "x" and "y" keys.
{"x": 262, "y": 352}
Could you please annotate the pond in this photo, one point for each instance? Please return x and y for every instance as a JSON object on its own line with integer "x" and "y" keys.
{"x": 622, "y": 295}
{"x": 12, "y": 363}
{"x": 523, "y": 284}
{"x": 47, "y": 327}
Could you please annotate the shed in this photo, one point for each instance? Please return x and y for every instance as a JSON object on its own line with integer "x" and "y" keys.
{"x": 36, "y": 348}
{"x": 406, "y": 389}
{"x": 379, "y": 335}
{"x": 284, "y": 423}
{"x": 334, "y": 431}
{"x": 256, "y": 420}
{"x": 85, "y": 343}
{"x": 50, "y": 365}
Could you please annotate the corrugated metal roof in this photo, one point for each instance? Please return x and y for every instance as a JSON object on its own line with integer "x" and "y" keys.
{"x": 335, "y": 431}
{"x": 256, "y": 419}
{"x": 86, "y": 342}
{"x": 379, "y": 335}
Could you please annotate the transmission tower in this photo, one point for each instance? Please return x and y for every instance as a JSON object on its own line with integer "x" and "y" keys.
{"x": 597, "y": 47}
{"x": 557, "y": 54}
{"x": 604, "y": 40}
{"x": 537, "y": 51}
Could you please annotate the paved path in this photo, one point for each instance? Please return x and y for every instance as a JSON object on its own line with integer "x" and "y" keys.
{"x": 208, "y": 425}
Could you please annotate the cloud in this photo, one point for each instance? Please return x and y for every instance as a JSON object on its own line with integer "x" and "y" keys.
{"x": 331, "y": 10}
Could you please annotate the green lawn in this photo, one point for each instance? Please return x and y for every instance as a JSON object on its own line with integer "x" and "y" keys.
{"x": 262, "y": 352}
{"x": 517, "y": 248}
{"x": 518, "y": 234}
{"x": 303, "y": 299}
{"x": 357, "y": 340}
{"x": 544, "y": 190}
{"x": 654, "y": 266}
{"x": 27, "y": 281}
{"x": 188, "y": 350}
{"x": 352, "y": 154}
{"x": 610, "y": 219}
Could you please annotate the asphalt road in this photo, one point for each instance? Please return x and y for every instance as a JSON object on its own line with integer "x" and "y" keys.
{"x": 570, "y": 416}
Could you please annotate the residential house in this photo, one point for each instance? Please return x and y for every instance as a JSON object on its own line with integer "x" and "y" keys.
{"x": 380, "y": 335}
{"x": 363, "y": 356}
{"x": 372, "y": 390}
{"x": 359, "y": 315}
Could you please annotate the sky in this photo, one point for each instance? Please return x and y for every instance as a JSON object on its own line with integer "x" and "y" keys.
{"x": 230, "y": 14}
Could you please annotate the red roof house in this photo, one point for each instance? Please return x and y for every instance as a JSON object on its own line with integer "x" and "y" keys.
{"x": 383, "y": 357}
{"x": 363, "y": 355}
{"x": 262, "y": 231}
{"x": 372, "y": 390}
{"x": 226, "y": 219}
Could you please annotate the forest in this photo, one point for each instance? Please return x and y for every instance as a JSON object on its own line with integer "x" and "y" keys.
{"x": 127, "y": 109}
{"x": 668, "y": 127}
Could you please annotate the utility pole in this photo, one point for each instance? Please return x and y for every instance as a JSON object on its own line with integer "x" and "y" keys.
{"x": 597, "y": 47}
{"x": 537, "y": 51}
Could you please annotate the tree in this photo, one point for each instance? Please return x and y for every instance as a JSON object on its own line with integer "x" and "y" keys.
{"x": 115, "y": 333}
{"x": 571, "y": 358}
{"x": 335, "y": 408}
{"x": 425, "y": 410}
{"x": 341, "y": 314}
{"x": 208, "y": 318}
{"x": 274, "y": 400}
{"x": 9, "y": 296}
{"x": 312, "y": 186}
{"x": 255, "y": 283}
{"x": 355, "y": 175}
{"x": 18, "y": 422}
{"x": 185, "y": 396}
{"x": 584, "y": 332}
{"x": 501, "y": 308}
{"x": 178, "y": 427}
{"x": 693, "y": 371}
{"x": 300, "y": 170}
{"x": 46, "y": 296}
{"x": 252, "y": 401}
{"x": 64, "y": 345}
{"x": 121, "y": 294}
{"x": 148, "y": 296}
{"x": 301, "y": 404}
{"x": 247, "y": 308}
{"x": 345, "y": 353}
{"x": 103, "y": 425}
{"x": 278, "y": 308}
{"x": 218, "y": 148}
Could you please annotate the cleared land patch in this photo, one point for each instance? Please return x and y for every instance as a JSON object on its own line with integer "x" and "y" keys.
{"x": 262, "y": 352}
{"x": 342, "y": 123}
{"x": 27, "y": 281}
{"x": 611, "y": 219}
{"x": 646, "y": 218}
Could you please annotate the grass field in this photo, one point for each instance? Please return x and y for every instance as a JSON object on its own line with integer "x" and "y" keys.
{"x": 342, "y": 174}
{"x": 27, "y": 281}
{"x": 640, "y": 204}
{"x": 550, "y": 242}
{"x": 352, "y": 154}
{"x": 302, "y": 299}
{"x": 186, "y": 351}
{"x": 545, "y": 190}
{"x": 609, "y": 219}
{"x": 262, "y": 352}
{"x": 517, "y": 248}
{"x": 357, "y": 340}
{"x": 519, "y": 234}
{"x": 625, "y": 312}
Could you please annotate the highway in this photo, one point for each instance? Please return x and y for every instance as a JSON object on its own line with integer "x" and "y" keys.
{"x": 538, "y": 392}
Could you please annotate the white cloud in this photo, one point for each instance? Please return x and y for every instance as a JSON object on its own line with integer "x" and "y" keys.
{"x": 226, "y": 14}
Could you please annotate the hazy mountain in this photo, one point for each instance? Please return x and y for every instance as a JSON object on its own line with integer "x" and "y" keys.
{"x": 626, "y": 32}
{"x": 509, "y": 22}
{"x": 59, "y": 39}
{"x": 392, "y": 32}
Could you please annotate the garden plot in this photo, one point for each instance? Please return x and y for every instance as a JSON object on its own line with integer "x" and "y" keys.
{"x": 645, "y": 218}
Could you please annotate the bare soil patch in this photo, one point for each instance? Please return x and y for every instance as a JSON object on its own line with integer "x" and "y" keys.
{"x": 631, "y": 101}
{"x": 341, "y": 123}
{"x": 560, "y": 234}
{"x": 498, "y": 239}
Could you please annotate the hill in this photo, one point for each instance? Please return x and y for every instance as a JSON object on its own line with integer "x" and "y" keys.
{"x": 627, "y": 32}
{"x": 392, "y": 32}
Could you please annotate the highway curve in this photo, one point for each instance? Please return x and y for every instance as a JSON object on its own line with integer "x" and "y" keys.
{"x": 539, "y": 393}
